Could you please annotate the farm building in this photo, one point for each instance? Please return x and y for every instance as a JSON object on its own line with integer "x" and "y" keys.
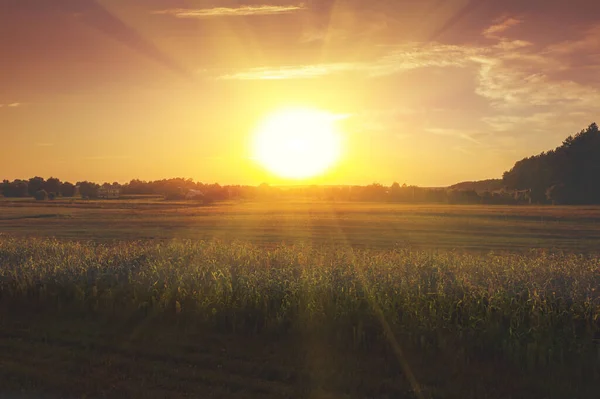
{"x": 109, "y": 193}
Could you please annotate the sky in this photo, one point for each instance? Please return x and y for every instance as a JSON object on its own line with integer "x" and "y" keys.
{"x": 429, "y": 92}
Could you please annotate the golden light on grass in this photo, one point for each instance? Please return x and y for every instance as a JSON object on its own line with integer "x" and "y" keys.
{"x": 298, "y": 143}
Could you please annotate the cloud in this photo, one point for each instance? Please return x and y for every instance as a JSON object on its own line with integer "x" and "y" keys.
{"x": 502, "y": 123}
{"x": 493, "y": 31}
{"x": 590, "y": 41}
{"x": 11, "y": 105}
{"x": 528, "y": 87}
{"x": 509, "y": 45}
{"x": 415, "y": 56}
{"x": 512, "y": 75}
{"x": 290, "y": 72}
{"x": 507, "y": 85}
{"x": 242, "y": 11}
{"x": 397, "y": 59}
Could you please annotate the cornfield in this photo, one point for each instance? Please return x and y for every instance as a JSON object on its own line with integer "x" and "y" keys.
{"x": 534, "y": 310}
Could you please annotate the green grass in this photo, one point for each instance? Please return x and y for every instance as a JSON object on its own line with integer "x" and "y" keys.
{"x": 366, "y": 225}
{"x": 222, "y": 319}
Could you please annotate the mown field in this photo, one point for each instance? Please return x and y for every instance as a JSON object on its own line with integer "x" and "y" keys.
{"x": 366, "y": 225}
{"x": 329, "y": 301}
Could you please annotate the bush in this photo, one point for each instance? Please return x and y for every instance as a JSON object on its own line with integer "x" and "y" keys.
{"x": 67, "y": 189}
{"x": 52, "y": 196}
{"x": 41, "y": 195}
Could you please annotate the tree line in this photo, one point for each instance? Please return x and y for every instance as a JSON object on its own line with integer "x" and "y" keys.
{"x": 569, "y": 174}
{"x": 177, "y": 188}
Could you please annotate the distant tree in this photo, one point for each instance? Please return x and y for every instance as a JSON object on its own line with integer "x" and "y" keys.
{"x": 88, "y": 189}
{"x": 41, "y": 195}
{"x": 35, "y": 184}
{"x": 136, "y": 186}
{"x": 52, "y": 185}
{"x": 20, "y": 188}
{"x": 52, "y": 196}
{"x": 17, "y": 188}
{"x": 374, "y": 192}
{"x": 395, "y": 192}
{"x": 67, "y": 189}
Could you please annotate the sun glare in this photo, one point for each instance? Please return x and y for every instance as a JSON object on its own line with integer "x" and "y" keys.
{"x": 298, "y": 143}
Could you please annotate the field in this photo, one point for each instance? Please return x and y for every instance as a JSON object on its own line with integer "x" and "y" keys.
{"x": 366, "y": 225}
{"x": 300, "y": 300}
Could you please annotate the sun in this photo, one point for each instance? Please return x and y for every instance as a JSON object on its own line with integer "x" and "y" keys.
{"x": 298, "y": 143}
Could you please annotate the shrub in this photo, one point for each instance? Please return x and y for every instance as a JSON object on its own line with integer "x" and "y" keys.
{"x": 51, "y": 196}
{"x": 41, "y": 195}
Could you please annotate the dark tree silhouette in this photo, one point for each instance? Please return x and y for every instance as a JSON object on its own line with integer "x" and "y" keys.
{"x": 35, "y": 184}
{"x": 88, "y": 189}
{"x": 41, "y": 195}
{"x": 52, "y": 185}
{"x": 570, "y": 174}
{"x": 18, "y": 188}
{"x": 67, "y": 189}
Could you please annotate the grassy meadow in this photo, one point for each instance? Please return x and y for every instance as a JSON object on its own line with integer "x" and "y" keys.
{"x": 316, "y": 300}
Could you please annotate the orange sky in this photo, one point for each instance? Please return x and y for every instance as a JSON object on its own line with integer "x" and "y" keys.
{"x": 435, "y": 91}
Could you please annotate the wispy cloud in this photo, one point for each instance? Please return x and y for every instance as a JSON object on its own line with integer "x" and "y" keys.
{"x": 513, "y": 74}
{"x": 231, "y": 11}
{"x": 590, "y": 41}
{"x": 290, "y": 72}
{"x": 508, "y": 86}
{"x": 503, "y": 123}
{"x": 11, "y": 105}
{"x": 510, "y": 45}
{"x": 494, "y": 31}
{"x": 397, "y": 59}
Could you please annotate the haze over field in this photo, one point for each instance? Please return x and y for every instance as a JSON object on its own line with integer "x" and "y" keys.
{"x": 421, "y": 91}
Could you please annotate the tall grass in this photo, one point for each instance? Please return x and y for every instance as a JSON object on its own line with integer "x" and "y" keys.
{"x": 533, "y": 310}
